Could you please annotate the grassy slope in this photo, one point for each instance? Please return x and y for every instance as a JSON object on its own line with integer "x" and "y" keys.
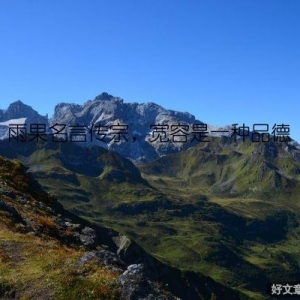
{"x": 255, "y": 182}
{"x": 31, "y": 268}
{"x": 214, "y": 209}
{"x": 39, "y": 259}
{"x": 41, "y": 267}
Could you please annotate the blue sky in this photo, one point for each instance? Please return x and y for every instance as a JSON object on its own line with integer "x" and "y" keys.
{"x": 225, "y": 61}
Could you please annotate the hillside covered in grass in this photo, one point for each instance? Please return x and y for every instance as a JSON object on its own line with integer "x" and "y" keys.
{"x": 47, "y": 252}
{"x": 39, "y": 254}
{"x": 226, "y": 210}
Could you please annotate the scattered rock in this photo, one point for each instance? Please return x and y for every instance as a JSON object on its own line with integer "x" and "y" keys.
{"x": 136, "y": 286}
{"x": 104, "y": 258}
{"x": 87, "y": 236}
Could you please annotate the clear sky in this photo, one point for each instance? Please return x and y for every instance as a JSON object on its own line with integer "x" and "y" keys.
{"x": 225, "y": 61}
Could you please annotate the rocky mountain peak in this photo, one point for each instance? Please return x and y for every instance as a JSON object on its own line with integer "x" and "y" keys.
{"x": 104, "y": 96}
{"x": 17, "y": 110}
{"x": 137, "y": 139}
{"x": 107, "y": 98}
{"x": 136, "y": 120}
{"x": 21, "y": 114}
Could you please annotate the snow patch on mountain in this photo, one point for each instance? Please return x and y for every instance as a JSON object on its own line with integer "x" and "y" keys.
{"x": 19, "y": 121}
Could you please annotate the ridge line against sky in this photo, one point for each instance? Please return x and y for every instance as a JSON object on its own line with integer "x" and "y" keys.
{"x": 223, "y": 61}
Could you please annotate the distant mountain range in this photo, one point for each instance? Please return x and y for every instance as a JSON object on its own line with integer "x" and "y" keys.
{"x": 127, "y": 128}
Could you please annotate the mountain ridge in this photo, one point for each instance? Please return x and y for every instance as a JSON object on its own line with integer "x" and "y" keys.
{"x": 142, "y": 132}
{"x": 137, "y": 141}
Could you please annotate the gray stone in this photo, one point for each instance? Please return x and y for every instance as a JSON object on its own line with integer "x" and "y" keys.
{"x": 87, "y": 236}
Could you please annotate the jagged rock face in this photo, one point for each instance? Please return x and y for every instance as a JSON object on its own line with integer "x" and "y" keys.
{"x": 19, "y": 113}
{"x": 18, "y": 109}
{"x": 106, "y": 110}
{"x": 126, "y": 128}
{"x": 106, "y": 121}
